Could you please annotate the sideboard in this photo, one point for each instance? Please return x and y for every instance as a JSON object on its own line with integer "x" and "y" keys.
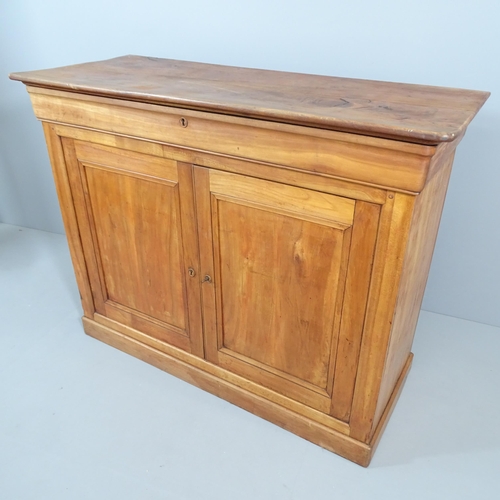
{"x": 263, "y": 235}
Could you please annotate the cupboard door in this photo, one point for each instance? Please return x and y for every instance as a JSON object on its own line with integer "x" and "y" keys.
{"x": 277, "y": 259}
{"x": 136, "y": 219}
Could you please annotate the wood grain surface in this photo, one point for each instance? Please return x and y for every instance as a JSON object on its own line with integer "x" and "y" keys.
{"x": 372, "y": 161}
{"x": 415, "y": 113}
{"x": 259, "y": 234}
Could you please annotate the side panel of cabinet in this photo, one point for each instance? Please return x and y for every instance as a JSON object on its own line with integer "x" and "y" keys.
{"x": 279, "y": 257}
{"x": 135, "y": 214}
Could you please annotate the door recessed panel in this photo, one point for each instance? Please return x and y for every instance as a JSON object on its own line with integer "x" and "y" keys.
{"x": 279, "y": 282}
{"x": 138, "y": 234}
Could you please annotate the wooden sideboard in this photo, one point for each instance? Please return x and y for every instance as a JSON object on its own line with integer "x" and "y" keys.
{"x": 266, "y": 236}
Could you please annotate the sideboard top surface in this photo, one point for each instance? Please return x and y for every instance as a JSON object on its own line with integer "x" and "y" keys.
{"x": 414, "y": 113}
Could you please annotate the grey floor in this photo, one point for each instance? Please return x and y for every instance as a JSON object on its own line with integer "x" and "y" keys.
{"x": 81, "y": 420}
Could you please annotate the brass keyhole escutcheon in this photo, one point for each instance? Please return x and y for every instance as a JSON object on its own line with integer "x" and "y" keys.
{"x": 191, "y": 272}
{"x": 207, "y": 279}
{"x": 183, "y": 121}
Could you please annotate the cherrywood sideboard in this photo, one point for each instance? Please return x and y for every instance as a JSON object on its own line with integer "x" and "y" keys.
{"x": 264, "y": 235}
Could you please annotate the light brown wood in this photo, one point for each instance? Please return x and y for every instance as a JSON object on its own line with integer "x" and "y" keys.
{"x": 278, "y": 278}
{"x": 354, "y": 307}
{"x": 332, "y": 135}
{"x": 129, "y": 208}
{"x": 191, "y": 256}
{"x": 308, "y": 429}
{"x": 284, "y": 199}
{"x": 277, "y": 262}
{"x": 69, "y": 163}
{"x": 421, "y": 240}
{"x": 371, "y": 164}
{"x": 415, "y": 113}
{"x": 57, "y": 161}
{"x": 386, "y": 272}
{"x": 224, "y": 374}
{"x": 391, "y": 403}
{"x": 316, "y": 181}
{"x": 288, "y": 285}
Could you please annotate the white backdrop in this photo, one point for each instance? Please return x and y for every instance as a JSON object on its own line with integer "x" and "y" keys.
{"x": 436, "y": 42}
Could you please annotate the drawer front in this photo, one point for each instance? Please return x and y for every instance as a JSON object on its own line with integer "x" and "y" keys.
{"x": 379, "y": 162}
{"x": 289, "y": 274}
